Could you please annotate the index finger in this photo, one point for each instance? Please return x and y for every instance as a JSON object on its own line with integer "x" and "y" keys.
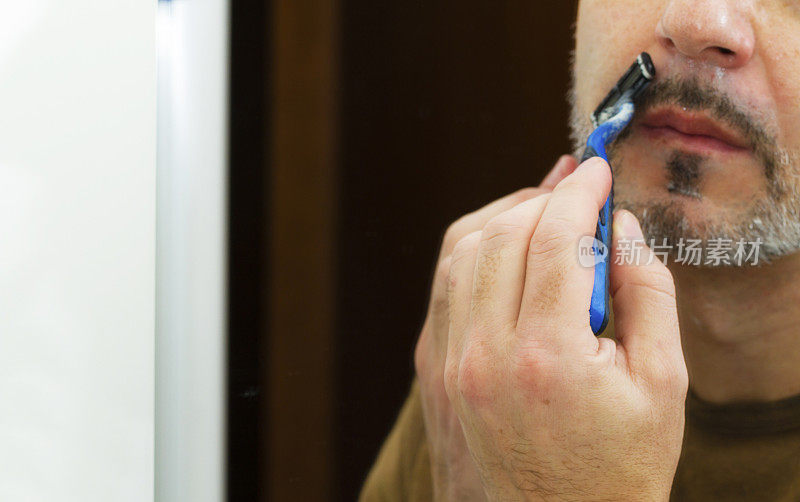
{"x": 557, "y": 291}
{"x": 477, "y": 220}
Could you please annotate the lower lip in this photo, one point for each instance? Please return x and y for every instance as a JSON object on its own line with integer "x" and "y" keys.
{"x": 696, "y": 143}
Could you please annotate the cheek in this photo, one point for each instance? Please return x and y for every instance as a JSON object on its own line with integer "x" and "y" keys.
{"x": 609, "y": 35}
{"x": 780, "y": 54}
{"x": 640, "y": 173}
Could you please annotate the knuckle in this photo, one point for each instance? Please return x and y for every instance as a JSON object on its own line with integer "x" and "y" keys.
{"x": 527, "y": 193}
{"x": 502, "y": 229}
{"x": 547, "y": 301}
{"x": 681, "y": 382}
{"x": 653, "y": 285}
{"x": 558, "y": 222}
{"x": 451, "y": 378}
{"x": 671, "y": 379}
{"x": 531, "y": 367}
{"x": 662, "y": 278}
{"x": 552, "y": 238}
{"x": 465, "y": 247}
{"x": 471, "y": 221}
{"x": 454, "y": 233}
{"x": 660, "y": 285}
{"x": 439, "y": 299}
{"x": 511, "y": 225}
{"x": 474, "y": 376}
{"x": 420, "y": 354}
{"x": 660, "y": 375}
{"x": 458, "y": 230}
{"x": 443, "y": 269}
{"x": 568, "y": 183}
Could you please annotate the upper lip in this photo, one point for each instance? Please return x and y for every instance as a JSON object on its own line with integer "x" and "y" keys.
{"x": 694, "y": 123}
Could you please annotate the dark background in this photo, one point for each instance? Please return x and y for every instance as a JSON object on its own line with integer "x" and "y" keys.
{"x": 359, "y": 131}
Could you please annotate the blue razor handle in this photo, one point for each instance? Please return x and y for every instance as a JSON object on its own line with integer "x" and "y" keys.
{"x": 610, "y": 118}
{"x": 596, "y": 147}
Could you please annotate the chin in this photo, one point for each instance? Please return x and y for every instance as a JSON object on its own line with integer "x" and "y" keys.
{"x": 679, "y": 196}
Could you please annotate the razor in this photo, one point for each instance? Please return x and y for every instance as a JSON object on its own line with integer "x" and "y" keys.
{"x": 609, "y": 119}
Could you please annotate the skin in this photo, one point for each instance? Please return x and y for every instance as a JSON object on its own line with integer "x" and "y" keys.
{"x": 520, "y": 400}
{"x": 454, "y": 473}
{"x": 739, "y": 337}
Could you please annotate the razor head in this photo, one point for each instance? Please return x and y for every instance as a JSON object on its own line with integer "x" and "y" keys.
{"x": 628, "y": 88}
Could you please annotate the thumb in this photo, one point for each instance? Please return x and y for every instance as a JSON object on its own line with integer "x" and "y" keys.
{"x": 645, "y": 312}
{"x": 565, "y": 165}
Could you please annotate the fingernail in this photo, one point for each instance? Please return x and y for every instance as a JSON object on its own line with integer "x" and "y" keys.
{"x": 558, "y": 167}
{"x": 556, "y": 172}
{"x": 592, "y": 163}
{"x": 561, "y": 160}
{"x": 559, "y": 164}
{"x": 626, "y": 225}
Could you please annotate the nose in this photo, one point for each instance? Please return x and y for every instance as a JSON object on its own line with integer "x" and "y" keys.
{"x": 718, "y": 32}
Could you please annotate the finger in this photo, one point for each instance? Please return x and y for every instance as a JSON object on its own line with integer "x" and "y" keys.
{"x": 477, "y": 220}
{"x": 437, "y": 309}
{"x": 431, "y": 350}
{"x": 645, "y": 313}
{"x": 557, "y": 291}
{"x": 563, "y": 168}
{"x": 462, "y": 271}
{"x": 500, "y": 266}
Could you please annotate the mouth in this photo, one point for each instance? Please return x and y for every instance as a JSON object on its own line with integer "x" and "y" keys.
{"x": 694, "y": 132}
{"x": 691, "y": 193}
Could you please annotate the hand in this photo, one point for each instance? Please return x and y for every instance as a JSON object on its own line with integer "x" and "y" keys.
{"x": 549, "y": 411}
{"x": 454, "y": 473}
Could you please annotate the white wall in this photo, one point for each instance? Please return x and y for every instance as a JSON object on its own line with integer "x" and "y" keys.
{"x": 190, "y": 264}
{"x": 77, "y": 246}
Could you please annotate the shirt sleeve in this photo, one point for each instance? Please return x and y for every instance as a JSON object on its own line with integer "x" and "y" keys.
{"x": 402, "y": 471}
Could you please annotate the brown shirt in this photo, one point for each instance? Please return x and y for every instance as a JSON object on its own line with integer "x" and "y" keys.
{"x": 738, "y": 452}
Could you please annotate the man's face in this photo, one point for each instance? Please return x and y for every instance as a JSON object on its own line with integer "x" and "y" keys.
{"x": 714, "y": 148}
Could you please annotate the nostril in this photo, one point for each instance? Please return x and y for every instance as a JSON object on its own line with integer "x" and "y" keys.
{"x": 725, "y": 51}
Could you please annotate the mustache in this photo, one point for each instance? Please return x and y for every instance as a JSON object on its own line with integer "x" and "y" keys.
{"x": 693, "y": 95}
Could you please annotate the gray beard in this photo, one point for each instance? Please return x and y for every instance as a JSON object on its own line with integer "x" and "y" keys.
{"x": 773, "y": 222}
